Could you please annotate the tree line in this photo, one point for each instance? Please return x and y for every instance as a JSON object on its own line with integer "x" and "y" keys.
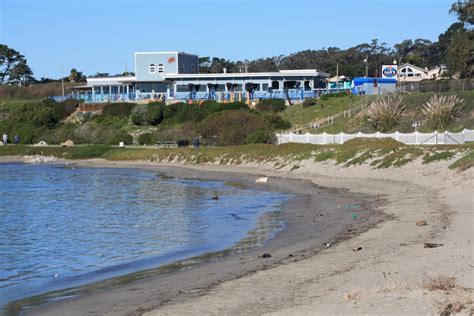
{"x": 454, "y": 48}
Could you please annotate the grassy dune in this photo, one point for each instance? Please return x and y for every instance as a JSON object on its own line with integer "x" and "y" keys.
{"x": 378, "y": 153}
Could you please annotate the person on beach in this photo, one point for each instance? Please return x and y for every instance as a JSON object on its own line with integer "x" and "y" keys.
{"x": 16, "y": 139}
{"x": 5, "y": 138}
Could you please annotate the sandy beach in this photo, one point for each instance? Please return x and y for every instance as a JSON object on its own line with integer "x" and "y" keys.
{"x": 378, "y": 267}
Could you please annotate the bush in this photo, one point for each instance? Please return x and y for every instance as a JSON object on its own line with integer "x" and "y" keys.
{"x": 261, "y": 137}
{"x": 328, "y": 96}
{"x": 146, "y": 139}
{"x": 385, "y": 113}
{"x": 231, "y": 127}
{"x": 441, "y": 110}
{"x": 309, "y": 102}
{"x": 137, "y": 115}
{"x": 148, "y": 114}
{"x": 115, "y": 137}
{"x": 58, "y": 135}
{"x": 277, "y": 122}
{"x": 154, "y": 115}
{"x": 118, "y": 109}
{"x": 37, "y": 113}
{"x": 275, "y": 105}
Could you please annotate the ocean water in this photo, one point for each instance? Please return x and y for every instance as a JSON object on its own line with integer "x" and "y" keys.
{"x": 62, "y": 226}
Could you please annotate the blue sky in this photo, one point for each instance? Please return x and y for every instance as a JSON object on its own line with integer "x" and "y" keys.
{"x": 101, "y": 35}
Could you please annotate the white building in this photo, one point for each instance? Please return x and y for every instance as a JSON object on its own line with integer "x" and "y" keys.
{"x": 411, "y": 73}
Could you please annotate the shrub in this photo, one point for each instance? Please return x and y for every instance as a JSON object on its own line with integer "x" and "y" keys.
{"x": 118, "y": 109}
{"x": 154, "y": 115}
{"x": 261, "y": 137}
{"x": 275, "y": 105}
{"x": 441, "y": 110}
{"x": 231, "y": 127}
{"x": 58, "y": 135}
{"x": 115, "y": 137}
{"x": 37, "y": 113}
{"x": 328, "y": 96}
{"x": 277, "y": 122}
{"x": 309, "y": 102}
{"x": 146, "y": 139}
{"x": 137, "y": 115}
{"x": 385, "y": 113}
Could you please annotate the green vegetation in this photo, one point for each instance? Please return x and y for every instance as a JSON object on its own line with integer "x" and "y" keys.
{"x": 272, "y": 105}
{"x": 385, "y": 112}
{"x": 378, "y": 153}
{"x": 358, "y": 120}
{"x": 464, "y": 163}
{"x": 234, "y": 127}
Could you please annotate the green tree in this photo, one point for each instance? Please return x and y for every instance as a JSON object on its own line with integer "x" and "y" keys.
{"x": 21, "y": 74}
{"x": 464, "y": 10}
{"x": 460, "y": 56}
{"x": 13, "y": 66}
{"x": 76, "y": 76}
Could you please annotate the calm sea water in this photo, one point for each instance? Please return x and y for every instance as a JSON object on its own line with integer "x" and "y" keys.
{"x": 62, "y": 226}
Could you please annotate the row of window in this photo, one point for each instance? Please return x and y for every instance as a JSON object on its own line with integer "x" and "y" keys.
{"x": 152, "y": 69}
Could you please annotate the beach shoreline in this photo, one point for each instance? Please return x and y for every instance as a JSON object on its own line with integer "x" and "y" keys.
{"x": 297, "y": 241}
{"x": 385, "y": 264}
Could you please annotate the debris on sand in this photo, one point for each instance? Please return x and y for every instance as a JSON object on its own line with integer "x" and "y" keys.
{"x": 261, "y": 180}
{"x": 432, "y": 245}
{"x": 266, "y": 255}
{"x": 421, "y": 223}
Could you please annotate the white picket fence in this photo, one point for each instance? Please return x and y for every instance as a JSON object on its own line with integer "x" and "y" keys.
{"x": 416, "y": 138}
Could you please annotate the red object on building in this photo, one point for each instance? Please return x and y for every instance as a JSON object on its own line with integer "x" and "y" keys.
{"x": 171, "y": 60}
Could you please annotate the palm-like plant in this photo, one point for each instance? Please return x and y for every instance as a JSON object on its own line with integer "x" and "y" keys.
{"x": 441, "y": 110}
{"x": 385, "y": 113}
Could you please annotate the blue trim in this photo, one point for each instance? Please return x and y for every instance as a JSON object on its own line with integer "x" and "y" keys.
{"x": 361, "y": 80}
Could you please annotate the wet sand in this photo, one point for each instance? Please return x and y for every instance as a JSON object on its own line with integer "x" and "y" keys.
{"x": 316, "y": 218}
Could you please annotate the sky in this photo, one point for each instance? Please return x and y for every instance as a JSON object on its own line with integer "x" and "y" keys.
{"x": 102, "y": 35}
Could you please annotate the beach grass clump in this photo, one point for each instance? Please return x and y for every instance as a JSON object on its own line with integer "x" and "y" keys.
{"x": 464, "y": 163}
{"x": 398, "y": 158}
{"x": 444, "y": 155}
{"x": 385, "y": 113}
{"x": 363, "y": 149}
{"x": 440, "y": 110}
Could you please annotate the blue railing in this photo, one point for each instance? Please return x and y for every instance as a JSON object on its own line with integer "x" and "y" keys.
{"x": 294, "y": 94}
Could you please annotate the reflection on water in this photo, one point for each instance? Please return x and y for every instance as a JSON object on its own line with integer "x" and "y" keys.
{"x": 62, "y": 226}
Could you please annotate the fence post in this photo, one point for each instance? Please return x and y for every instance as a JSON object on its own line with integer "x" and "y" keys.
{"x": 307, "y": 137}
{"x": 436, "y": 137}
{"x": 377, "y": 135}
{"x": 324, "y": 138}
{"x": 342, "y": 140}
{"x": 291, "y": 136}
{"x": 396, "y": 135}
{"x": 416, "y": 138}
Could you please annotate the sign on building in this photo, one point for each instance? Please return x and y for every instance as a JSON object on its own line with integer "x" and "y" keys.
{"x": 389, "y": 71}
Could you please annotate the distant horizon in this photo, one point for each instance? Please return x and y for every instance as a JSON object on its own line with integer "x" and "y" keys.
{"x": 102, "y": 37}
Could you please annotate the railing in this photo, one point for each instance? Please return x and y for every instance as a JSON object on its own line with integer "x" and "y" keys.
{"x": 416, "y": 138}
{"x": 293, "y": 94}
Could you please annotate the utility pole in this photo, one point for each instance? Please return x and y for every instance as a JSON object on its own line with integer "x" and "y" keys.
{"x": 366, "y": 61}
{"x": 62, "y": 80}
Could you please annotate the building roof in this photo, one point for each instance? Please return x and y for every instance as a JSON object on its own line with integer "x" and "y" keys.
{"x": 165, "y": 53}
{"x": 413, "y": 66}
{"x": 281, "y": 73}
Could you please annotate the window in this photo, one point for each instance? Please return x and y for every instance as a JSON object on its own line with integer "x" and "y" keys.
{"x": 192, "y": 68}
{"x": 161, "y": 68}
{"x": 182, "y": 68}
{"x": 152, "y": 69}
